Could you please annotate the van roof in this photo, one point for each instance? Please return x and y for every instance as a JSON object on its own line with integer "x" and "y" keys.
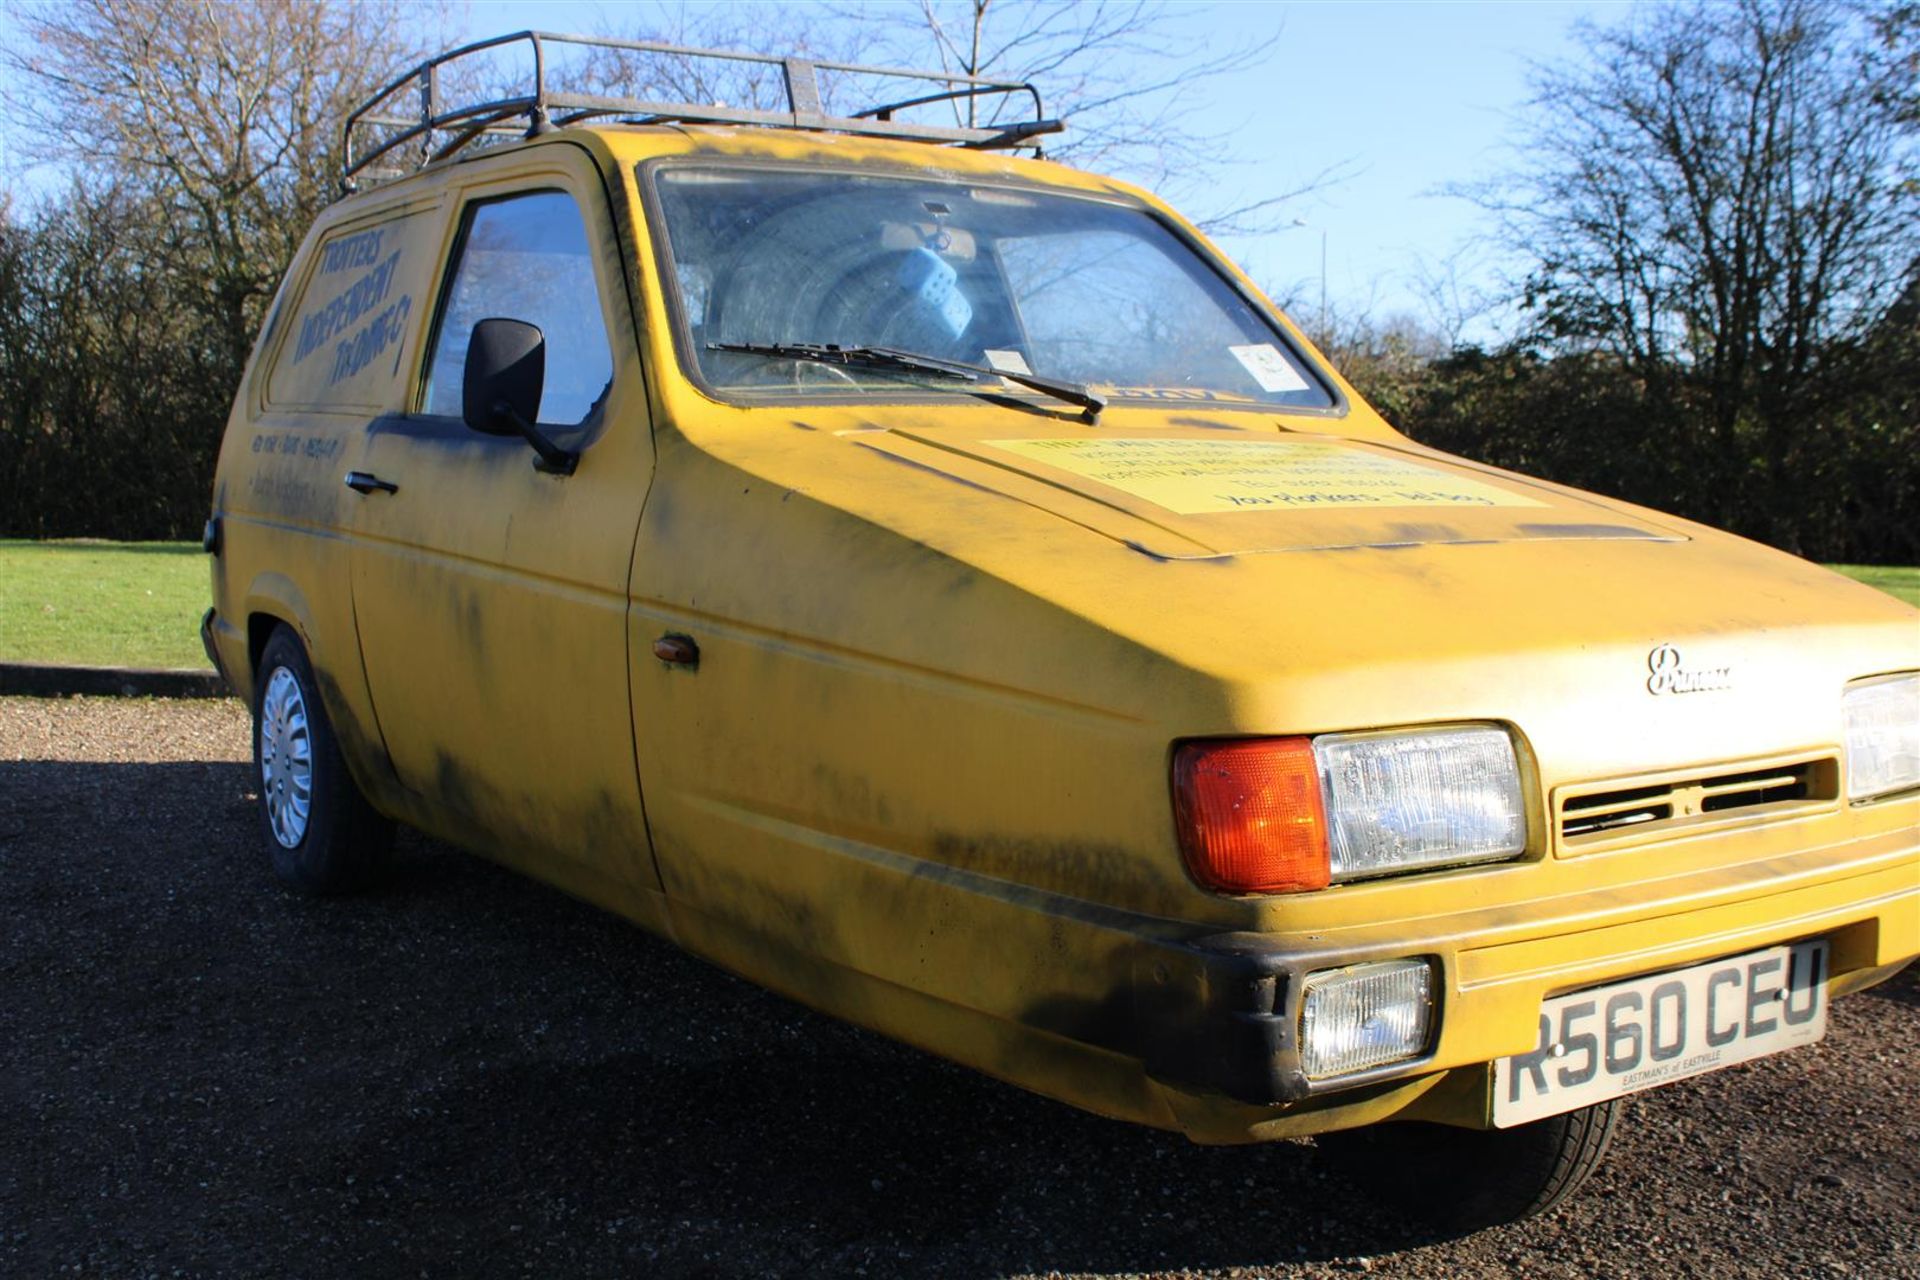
{"x": 388, "y": 136}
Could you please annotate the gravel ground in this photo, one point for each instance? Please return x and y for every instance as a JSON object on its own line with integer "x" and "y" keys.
{"x": 467, "y": 1074}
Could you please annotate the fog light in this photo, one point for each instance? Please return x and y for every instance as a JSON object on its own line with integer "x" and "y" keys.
{"x": 1365, "y": 1015}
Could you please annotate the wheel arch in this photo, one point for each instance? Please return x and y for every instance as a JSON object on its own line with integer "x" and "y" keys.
{"x": 273, "y": 600}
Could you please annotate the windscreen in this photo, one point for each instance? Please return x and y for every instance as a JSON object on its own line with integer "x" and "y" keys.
{"x": 1072, "y": 288}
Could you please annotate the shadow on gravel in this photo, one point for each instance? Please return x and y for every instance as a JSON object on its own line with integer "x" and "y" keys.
{"x": 462, "y": 1069}
{"x": 465, "y": 1073}
{"x": 1901, "y": 988}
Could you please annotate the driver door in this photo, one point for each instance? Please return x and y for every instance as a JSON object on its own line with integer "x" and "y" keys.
{"x": 491, "y": 598}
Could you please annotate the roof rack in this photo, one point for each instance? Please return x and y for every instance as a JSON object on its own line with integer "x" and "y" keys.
{"x": 543, "y": 109}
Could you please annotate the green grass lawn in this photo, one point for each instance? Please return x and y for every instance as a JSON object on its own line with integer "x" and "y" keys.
{"x": 121, "y": 604}
{"x": 1899, "y": 581}
{"x": 138, "y": 604}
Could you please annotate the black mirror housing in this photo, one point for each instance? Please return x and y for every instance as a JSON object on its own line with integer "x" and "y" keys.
{"x": 505, "y": 373}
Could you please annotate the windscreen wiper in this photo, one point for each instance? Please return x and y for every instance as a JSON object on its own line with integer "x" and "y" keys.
{"x": 884, "y": 358}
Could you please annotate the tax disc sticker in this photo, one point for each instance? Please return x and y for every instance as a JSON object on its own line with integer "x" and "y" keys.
{"x": 1268, "y": 367}
{"x": 1195, "y": 477}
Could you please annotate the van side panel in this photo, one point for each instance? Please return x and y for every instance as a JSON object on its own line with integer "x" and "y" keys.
{"x": 334, "y": 355}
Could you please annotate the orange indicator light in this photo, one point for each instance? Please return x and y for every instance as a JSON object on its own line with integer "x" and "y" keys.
{"x": 1250, "y": 815}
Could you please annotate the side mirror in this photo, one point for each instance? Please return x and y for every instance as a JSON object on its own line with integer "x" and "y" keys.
{"x": 505, "y": 373}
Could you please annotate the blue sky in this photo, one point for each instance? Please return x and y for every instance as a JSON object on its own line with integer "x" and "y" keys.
{"x": 1405, "y": 96}
{"x": 1415, "y": 96}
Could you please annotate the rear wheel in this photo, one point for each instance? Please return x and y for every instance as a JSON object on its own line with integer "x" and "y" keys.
{"x": 1471, "y": 1178}
{"x": 320, "y": 833}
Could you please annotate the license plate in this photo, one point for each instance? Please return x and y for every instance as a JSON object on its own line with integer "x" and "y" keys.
{"x": 1616, "y": 1040}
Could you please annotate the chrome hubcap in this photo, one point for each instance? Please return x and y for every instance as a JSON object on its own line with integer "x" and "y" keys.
{"x": 286, "y": 758}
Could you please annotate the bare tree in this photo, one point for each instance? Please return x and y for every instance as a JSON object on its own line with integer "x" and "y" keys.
{"x": 200, "y": 138}
{"x": 1896, "y": 30}
{"x": 1716, "y": 190}
{"x": 1719, "y": 205}
{"x": 223, "y": 115}
{"x": 1452, "y": 300}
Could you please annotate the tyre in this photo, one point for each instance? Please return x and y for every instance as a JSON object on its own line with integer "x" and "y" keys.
{"x": 1466, "y": 1179}
{"x": 320, "y": 832}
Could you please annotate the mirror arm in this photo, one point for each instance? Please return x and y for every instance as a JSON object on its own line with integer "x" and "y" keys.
{"x": 553, "y": 460}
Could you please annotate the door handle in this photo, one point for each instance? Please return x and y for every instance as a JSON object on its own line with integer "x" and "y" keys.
{"x": 367, "y": 482}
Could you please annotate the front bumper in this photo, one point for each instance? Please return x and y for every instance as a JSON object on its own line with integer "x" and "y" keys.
{"x": 1214, "y": 1021}
{"x": 1165, "y": 1023}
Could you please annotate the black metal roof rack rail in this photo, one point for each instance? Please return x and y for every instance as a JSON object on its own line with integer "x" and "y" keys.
{"x": 440, "y": 129}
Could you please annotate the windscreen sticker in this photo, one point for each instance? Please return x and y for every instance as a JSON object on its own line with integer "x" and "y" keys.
{"x": 1007, "y": 361}
{"x": 1196, "y": 477}
{"x": 1268, "y": 367}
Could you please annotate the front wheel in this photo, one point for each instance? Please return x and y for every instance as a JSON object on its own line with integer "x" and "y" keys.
{"x": 1467, "y": 1179}
{"x": 320, "y": 833}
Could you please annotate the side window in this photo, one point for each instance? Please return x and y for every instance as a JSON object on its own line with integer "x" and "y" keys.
{"x": 344, "y": 334}
{"x": 526, "y": 258}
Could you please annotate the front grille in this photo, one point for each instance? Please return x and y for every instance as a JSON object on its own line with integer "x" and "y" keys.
{"x": 1647, "y": 808}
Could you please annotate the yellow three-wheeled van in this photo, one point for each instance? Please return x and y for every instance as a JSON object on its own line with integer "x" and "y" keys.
{"x": 936, "y": 584}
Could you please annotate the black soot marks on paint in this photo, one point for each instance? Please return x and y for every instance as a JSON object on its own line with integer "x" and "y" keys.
{"x": 1405, "y": 533}
{"x": 358, "y": 744}
{"x": 1208, "y": 1014}
{"x": 777, "y": 939}
{"x": 595, "y": 831}
{"x": 944, "y": 475}
{"x": 851, "y": 798}
{"x": 457, "y": 791}
{"x": 1088, "y": 871}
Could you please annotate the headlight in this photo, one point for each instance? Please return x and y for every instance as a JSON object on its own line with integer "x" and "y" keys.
{"x": 1883, "y": 735}
{"x": 1397, "y": 801}
{"x": 1279, "y": 815}
{"x": 1365, "y": 1015}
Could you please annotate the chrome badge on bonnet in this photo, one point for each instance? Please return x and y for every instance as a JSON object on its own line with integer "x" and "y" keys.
{"x": 1670, "y": 675}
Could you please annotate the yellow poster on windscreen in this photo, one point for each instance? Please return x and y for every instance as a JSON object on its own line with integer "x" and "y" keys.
{"x": 1196, "y": 477}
